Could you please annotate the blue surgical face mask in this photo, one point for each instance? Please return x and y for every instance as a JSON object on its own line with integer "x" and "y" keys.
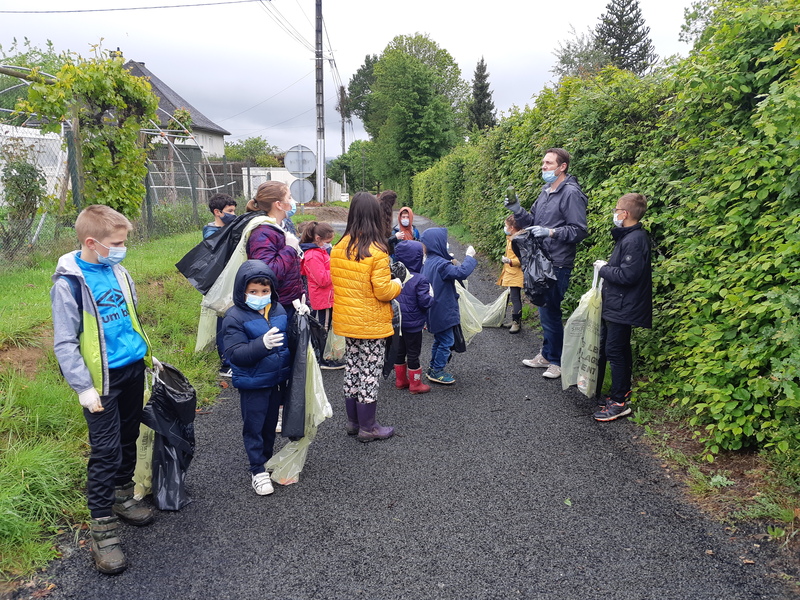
{"x": 293, "y": 210}
{"x": 227, "y": 218}
{"x": 506, "y": 231}
{"x": 549, "y": 176}
{"x": 115, "y": 255}
{"x": 405, "y": 222}
{"x": 258, "y": 302}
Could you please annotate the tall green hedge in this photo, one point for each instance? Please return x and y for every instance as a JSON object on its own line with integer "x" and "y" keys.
{"x": 713, "y": 141}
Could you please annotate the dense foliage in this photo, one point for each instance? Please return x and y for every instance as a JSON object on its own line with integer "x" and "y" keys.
{"x": 110, "y": 107}
{"x": 254, "y": 151}
{"x": 714, "y": 143}
{"x": 481, "y": 107}
{"x": 622, "y": 35}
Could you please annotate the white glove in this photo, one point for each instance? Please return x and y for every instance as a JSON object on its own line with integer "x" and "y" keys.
{"x": 273, "y": 338}
{"x": 430, "y": 289}
{"x": 600, "y": 263}
{"x": 505, "y": 260}
{"x": 398, "y": 280}
{"x": 400, "y": 235}
{"x": 90, "y": 400}
{"x": 470, "y": 251}
{"x": 157, "y": 366}
{"x": 300, "y": 306}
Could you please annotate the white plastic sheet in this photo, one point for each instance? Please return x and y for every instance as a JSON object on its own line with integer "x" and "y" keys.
{"x": 581, "y": 349}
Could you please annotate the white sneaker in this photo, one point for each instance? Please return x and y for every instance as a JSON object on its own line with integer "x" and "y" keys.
{"x": 279, "y": 426}
{"x": 262, "y": 484}
{"x": 537, "y": 361}
{"x": 552, "y": 372}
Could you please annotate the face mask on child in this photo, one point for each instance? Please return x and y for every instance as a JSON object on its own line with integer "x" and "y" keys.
{"x": 258, "y": 302}
{"x": 405, "y": 222}
{"x": 115, "y": 255}
{"x": 293, "y": 210}
{"x": 506, "y": 231}
{"x": 227, "y": 218}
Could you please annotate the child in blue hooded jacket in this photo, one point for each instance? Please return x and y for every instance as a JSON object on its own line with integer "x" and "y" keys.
{"x": 254, "y": 329}
{"x": 443, "y": 315}
{"x": 414, "y": 300}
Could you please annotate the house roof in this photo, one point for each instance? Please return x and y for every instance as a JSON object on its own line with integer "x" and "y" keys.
{"x": 169, "y": 100}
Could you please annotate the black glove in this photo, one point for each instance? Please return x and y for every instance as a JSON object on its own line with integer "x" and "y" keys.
{"x": 399, "y": 271}
{"x": 512, "y": 200}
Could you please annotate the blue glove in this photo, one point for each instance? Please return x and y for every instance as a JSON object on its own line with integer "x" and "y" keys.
{"x": 538, "y": 231}
{"x": 512, "y": 200}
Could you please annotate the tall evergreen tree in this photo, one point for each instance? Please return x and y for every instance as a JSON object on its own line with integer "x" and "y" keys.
{"x": 623, "y": 36}
{"x": 481, "y": 108}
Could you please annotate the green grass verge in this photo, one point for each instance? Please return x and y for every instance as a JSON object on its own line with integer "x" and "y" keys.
{"x": 43, "y": 438}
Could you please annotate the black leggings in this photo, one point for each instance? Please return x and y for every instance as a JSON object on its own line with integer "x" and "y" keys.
{"x": 409, "y": 349}
{"x": 516, "y": 300}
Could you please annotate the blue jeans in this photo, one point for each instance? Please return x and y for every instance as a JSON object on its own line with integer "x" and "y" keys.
{"x": 551, "y": 319}
{"x": 440, "y": 351}
{"x": 259, "y": 419}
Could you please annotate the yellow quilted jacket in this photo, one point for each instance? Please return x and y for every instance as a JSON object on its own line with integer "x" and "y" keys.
{"x": 362, "y": 291}
{"x": 511, "y": 275}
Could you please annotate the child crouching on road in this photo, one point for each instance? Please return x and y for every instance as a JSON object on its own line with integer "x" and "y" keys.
{"x": 627, "y": 303}
{"x": 443, "y": 315}
{"x": 102, "y": 352}
{"x": 414, "y": 300}
{"x": 254, "y": 329}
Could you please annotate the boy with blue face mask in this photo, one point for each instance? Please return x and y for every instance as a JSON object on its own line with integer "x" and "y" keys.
{"x": 103, "y": 352}
{"x": 254, "y": 330}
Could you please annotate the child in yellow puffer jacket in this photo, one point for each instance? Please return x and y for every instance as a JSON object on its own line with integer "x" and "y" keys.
{"x": 511, "y": 275}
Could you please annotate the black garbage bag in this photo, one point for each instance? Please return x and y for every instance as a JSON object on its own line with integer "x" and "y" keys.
{"x": 203, "y": 263}
{"x": 170, "y": 413}
{"x": 393, "y": 342}
{"x": 294, "y": 401}
{"x": 538, "y": 275}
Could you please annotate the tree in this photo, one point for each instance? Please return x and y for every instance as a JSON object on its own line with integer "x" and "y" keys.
{"x": 360, "y": 87}
{"x": 579, "y": 57}
{"x": 358, "y": 164}
{"x": 255, "y": 151}
{"x": 107, "y": 107}
{"x": 622, "y": 35}
{"x": 25, "y": 57}
{"x": 481, "y": 108}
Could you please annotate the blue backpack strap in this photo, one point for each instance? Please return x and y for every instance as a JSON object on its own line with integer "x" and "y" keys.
{"x": 76, "y": 293}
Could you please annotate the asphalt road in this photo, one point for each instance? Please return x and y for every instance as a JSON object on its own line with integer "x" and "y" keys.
{"x": 500, "y": 486}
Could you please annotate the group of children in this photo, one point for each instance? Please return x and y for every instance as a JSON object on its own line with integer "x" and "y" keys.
{"x": 103, "y": 351}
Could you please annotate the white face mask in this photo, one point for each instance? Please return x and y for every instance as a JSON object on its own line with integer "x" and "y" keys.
{"x": 405, "y": 222}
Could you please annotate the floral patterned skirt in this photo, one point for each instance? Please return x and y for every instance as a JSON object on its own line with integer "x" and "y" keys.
{"x": 363, "y": 360}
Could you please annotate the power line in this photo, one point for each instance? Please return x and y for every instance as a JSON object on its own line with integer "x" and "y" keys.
{"x": 267, "y": 99}
{"x": 93, "y": 10}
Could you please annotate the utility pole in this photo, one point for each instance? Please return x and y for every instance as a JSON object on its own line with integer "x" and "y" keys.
{"x": 320, "y": 111}
{"x": 343, "y": 113}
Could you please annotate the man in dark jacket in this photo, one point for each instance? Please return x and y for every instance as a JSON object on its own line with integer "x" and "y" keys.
{"x": 627, "y": 302}
{"x": 558, "y": 217}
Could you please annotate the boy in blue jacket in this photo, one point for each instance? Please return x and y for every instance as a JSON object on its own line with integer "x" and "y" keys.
{"x": 414, "y": 300}
{"x": 443, "y": 315}
{"x": 254, "y": 329}
{"x": 627, "y": 302}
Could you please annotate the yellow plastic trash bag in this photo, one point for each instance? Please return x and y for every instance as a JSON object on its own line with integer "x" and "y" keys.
{"x": 334, "y": 347}
{"x": 143, "y": 472}
{"x": 287, "y": 464}
{"x": 470, "y": 317}
{"x": 581, "y": 349}
{"x": 489, "y": 315}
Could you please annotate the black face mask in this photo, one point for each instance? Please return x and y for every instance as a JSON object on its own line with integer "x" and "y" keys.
{"x": 227, "y": 218}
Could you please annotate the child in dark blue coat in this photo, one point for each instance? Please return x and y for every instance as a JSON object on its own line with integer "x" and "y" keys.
{"x": 414, "y": 300}
{"x": 443, "y": 315}
{"x": 254, "y": 330}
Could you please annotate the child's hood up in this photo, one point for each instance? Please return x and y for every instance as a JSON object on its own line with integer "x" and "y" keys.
{"x": 410, "y": 253}
{"x": 435, "y": 240}
{"x": 410, "y": 215}
{"x": 249, "y": 270}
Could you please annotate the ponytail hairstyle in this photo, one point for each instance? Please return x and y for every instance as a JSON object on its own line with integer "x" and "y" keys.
{"x": 365, "y": 226}
{"x": 312, "y": 229}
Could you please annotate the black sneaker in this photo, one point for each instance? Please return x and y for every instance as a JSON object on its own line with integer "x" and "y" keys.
{"x": 331, "y": 365}
{"x": 612, "y": 411}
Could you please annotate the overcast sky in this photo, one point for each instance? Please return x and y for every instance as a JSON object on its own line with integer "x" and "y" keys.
{"x": 248, "y": 74}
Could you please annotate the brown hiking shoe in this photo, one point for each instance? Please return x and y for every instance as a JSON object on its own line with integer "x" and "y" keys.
{"x": 129, "y": 509}
{"x": 106, "y": 549}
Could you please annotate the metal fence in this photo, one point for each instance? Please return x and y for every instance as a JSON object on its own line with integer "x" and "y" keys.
{"x": 37, "y": 208}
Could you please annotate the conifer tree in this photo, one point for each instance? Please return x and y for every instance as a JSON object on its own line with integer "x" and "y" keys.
{"x": 481, "y": 108}
{"x": 623, "y": 36}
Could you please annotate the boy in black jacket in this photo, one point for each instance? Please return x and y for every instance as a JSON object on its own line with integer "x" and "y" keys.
{"x": 627, "y": 302}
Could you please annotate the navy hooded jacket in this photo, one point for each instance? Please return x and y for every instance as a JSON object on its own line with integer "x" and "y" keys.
{"x": 415, "y": 299}
{"x": 442, "y": 274}
{"x": 628, "y": 279}
{"x": 253, "y": 365}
